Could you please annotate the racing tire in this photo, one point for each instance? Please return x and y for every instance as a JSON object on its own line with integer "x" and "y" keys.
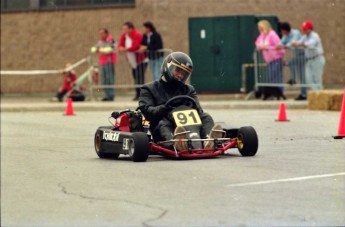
{"x": 99, "y": 148}
{"x": 247, "y": 141}
{"x": 139, "y": 147}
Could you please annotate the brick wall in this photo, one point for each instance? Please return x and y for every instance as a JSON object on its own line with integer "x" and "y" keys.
{"x": 49, "y": 39}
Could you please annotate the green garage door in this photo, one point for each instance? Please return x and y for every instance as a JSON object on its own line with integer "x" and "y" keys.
{"x": 219, "y": 46}
{"x": 226, "y": 77}
{"x": 212, "y": 52}
{"x": 201, "y": 37}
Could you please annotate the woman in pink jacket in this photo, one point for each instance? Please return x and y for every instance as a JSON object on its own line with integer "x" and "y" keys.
{"x": 267, "y": 42}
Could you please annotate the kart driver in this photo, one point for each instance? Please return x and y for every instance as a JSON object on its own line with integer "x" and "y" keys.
{"x": 176, "y": 68}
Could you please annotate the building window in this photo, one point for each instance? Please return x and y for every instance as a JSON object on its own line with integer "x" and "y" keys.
{"x": 66, "y": 4}
{"x": 22, "y": 5}
{"x": 14, "y": 5}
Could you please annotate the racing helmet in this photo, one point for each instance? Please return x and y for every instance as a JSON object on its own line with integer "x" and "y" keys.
{"x": 176, "y": 68}
{"x": 307, "y": 25}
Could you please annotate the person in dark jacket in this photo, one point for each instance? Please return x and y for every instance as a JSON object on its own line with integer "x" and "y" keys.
{"x": 152, "y": 44}
{"x": 175, "y": 71}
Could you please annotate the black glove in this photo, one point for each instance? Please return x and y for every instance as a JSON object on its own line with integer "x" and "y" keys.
{"x": 164, "y": 109}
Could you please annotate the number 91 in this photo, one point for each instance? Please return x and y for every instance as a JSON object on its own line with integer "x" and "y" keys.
{"x": 182, "y": 118}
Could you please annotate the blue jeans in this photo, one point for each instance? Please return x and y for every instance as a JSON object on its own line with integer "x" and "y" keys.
{"x": 108, "y": 78}
{"x": 275, "y": 72}
{"x": 297, "y": 65}
{"x": 155, "y": 67}
{"x": 313, "y": 72}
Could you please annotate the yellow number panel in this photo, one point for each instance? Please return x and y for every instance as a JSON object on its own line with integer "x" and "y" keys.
{"x": 186, "y": 117}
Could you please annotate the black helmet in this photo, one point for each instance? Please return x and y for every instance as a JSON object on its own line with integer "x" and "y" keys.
{"x": 176, "y": 68}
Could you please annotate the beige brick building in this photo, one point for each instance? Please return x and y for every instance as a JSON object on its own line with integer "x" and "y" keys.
{"x": 49, "y": 39}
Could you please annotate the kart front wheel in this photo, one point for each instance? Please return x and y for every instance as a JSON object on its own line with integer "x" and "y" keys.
{"x": 100, "y": 150}
{"x": 139, "y": 147}
{"x": 247, "y": 141}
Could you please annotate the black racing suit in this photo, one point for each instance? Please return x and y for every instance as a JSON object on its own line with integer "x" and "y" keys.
{"x": 153, "y": 97}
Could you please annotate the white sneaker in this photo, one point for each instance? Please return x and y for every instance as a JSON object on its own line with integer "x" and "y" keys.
{"x": 216, "y": 132}
{"x": 180, "y": 133}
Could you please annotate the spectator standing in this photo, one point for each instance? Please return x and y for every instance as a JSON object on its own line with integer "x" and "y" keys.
{"x": 267, "y": 42}
{"x": 107, "y": 60}
{"x": 151, "y": 44}
{"x": 129, "y": 43}
{"x": 297, "y": 62}
{"x": 315, "y": 60}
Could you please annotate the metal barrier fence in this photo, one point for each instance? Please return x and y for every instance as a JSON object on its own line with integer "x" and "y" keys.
{"x": 91, "y": 71}
{"x": 44, "y": 72}
{"x": 286, "y": 71}
{"x": 91, "y": 77}
{"x": 83, "y": 64}
{"x": 273, "y": 74}
{"x": 280, "y": 72}
{"x": 125, "y": 79}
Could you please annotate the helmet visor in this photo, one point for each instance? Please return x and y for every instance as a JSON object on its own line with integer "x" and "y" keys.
{"x": 179, "y": 72}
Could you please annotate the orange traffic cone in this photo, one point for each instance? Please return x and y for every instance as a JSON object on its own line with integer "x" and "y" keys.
{"x": 282, "y": 113}
{"x": 69, "y": 108}
{"x": 341, "y": 129}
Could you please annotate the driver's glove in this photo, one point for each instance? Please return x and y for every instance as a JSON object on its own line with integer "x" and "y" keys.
{"x": 164, "y": 109}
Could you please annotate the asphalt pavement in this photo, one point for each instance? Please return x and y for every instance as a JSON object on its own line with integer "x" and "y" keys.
{"x": 51, "y": 175}
{"x": 30, "y": 103}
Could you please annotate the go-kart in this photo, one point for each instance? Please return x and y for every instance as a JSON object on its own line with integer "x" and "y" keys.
{"x": 130, "y": 135}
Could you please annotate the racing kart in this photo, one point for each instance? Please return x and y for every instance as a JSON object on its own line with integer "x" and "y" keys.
{"x": 130, "y": 135}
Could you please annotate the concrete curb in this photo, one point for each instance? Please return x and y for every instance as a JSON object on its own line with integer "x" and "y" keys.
{"x": 118, "y": 106}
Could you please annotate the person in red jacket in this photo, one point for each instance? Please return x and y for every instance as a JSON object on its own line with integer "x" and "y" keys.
{"x": 129, "y": 43}
{"x": 69, "y": 78}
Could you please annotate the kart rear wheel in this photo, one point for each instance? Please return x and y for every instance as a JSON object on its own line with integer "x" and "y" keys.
{"x": 139, "y": 147}
{"x": 99, "y": 148}
{"x": 247, "y": 141}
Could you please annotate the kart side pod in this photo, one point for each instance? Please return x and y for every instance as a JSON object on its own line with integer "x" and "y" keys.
{"x": 127, "y": 121}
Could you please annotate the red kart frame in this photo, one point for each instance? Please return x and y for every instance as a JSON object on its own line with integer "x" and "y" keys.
{"x": 196, "y": 153}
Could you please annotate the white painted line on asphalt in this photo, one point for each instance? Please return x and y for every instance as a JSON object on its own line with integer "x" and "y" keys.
{"x": 286, "y": 180}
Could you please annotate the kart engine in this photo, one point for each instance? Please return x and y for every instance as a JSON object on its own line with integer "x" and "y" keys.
{"x": 128, "y": 121}
{"x": 135, "y": 120}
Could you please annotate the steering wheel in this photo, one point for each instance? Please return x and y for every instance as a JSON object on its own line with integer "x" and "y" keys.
{"x": 176, "y": 101}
